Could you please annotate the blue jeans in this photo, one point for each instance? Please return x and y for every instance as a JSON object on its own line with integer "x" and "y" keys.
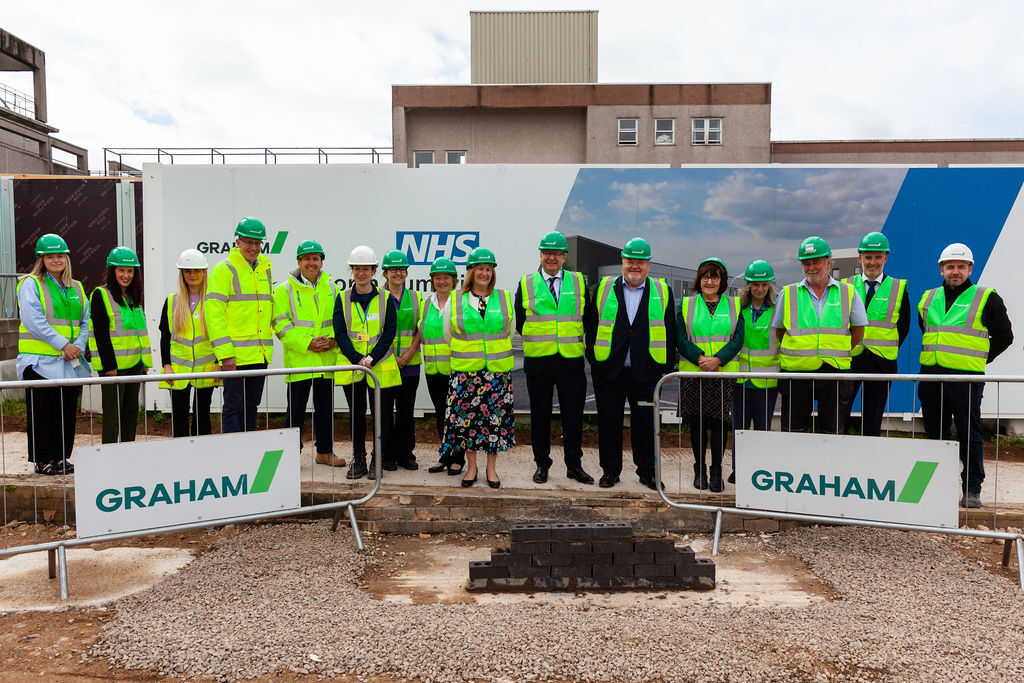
{"x": 242, "y": 396}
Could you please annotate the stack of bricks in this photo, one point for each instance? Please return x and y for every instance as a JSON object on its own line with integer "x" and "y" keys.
{"x": 596, "y": 555}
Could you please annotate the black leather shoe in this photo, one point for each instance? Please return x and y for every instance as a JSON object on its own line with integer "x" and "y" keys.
{"x": 494, "y": 484}
{"x": 454, "y": 470}
{"x": 409, "y": 464}
{"x": 649, "y": 482}
{"x": 715, "y": 483}
{"x": 608, "y": 481}
{"x": 389, "y": 466}
{"x": 700, "y": 479}
{"x": 439, "y": 467}
{"x": 541, "y": 475}
{"x": 732, "y": 477}
{"x": 579, "y": 475}
{"x": 466, "y": 483}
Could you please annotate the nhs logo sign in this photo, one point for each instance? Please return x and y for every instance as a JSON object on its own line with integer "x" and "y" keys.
{"x": 423, "y": 248}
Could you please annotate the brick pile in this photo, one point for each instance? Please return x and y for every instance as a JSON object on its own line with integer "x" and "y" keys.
{"x": 596, "y": 555}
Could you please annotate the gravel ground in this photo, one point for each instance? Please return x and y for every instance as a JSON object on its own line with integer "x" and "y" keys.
{"x": 288, "y": 597}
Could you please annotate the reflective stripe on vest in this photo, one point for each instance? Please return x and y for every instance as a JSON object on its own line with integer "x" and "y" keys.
{"x": 880, "y": 335}
{"x": 955, "y": 339}
{"x": 608, "y": 305}
{"x": 191, "y": 351}
{"x": 243, "y": 331}
{"x": 364, "y": 331}
{"x": 811, "y": 340}
{"x": 408, "y": 322}
{"x": 760, "y": 351}
{"x": 552, "y": 328}
{"x": 710, "y": 333}
{"x": 304, "y": 313}
{"x": 436, "y": 352}
{"x": 62, "y": 310}
{"x": 479, "y": 343}
{"x": 128, "y": 335}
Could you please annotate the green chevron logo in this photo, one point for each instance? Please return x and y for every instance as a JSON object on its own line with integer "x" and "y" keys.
{"x": 265, "y": 474}
{"x": 279, "y": 240}
{"x": 917, "y": 482}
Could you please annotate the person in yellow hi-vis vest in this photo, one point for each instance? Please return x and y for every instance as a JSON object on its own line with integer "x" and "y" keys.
{"x": 303, "y": 321}
{"x": 119, "y": 342}
{"x": 479, "y": 332}
{"x": 550, "y": 306}
{"x": 52, "y": 337}
{"x": 402, "y": 441}
{"x": 631, "y": 344}
{"x": 965, "y": 328}
{"x": 364, "y": 329}
{"x": 239, "y": 307}
{"x": 709, "y": 332}
{"x": 185, "y": 348}
{"x": 817, "y": 322}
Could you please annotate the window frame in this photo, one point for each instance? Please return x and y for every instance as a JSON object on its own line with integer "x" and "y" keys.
{"x": 671, "y": 133}
{"x": 416, "y": 163}
{"x": 448, "y": 157}
{"x": 705, "y": 130}
{"x": 635, "y": 131}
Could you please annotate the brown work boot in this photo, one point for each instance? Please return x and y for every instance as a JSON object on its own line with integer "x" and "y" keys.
{"x": 330, "y": 459}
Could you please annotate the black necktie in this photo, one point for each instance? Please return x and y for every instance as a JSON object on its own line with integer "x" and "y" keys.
{"x": 551, "y": 286}
{"x": 871, "y": 291}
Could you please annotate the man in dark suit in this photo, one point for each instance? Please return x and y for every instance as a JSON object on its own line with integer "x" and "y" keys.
{"x": 630, "y": 345}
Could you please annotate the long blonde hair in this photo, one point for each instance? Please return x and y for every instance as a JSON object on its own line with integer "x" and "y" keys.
{"x": 769, "y": 297}
{"x": 181, "y": 311}
{"x": 39, "y": 271}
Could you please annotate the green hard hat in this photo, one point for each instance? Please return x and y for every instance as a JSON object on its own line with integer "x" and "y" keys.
{"x": 394, "y": 259}
{"x": 252, "y": 228}
{"x": 51, "y": 244}
{"x": 443, "y": 266}
{"x": 309, "y": 247}
{"x": 874, "y": 241}
{"x": 813, "y": 247}
{"x": 553, "y": 241}
{"x": 122, "y": 256}
{"x": 637, "y": 248}
{"x": 481, "y": 255}
{"x": 759, "y": 271}
{"x": 718, "y": 262}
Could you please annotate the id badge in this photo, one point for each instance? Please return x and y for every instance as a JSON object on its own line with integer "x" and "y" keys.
{"x": 363, "y": 336}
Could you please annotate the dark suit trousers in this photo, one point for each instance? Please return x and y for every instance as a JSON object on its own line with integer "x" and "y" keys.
{"x": 611, "y": 394}
{"x": 799, "y": 397}
{"x": 872, "y": 400}
{"x": 571, "y": 382}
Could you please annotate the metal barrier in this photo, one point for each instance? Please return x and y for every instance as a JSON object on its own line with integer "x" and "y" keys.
{"x": 720, "y": 509}
{"x": 57, "y": 562}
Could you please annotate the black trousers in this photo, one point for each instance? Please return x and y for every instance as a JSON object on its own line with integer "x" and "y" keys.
{"x": 359, "y": 396}
{"x": 402, "y": 439}
{"x": 323, "y": 410}
{"x": 437, "y": 387}
{"x": 242, "y": 396}
{"x": 708, "y": 431}
{"x": 798, "y": 398}
{"x": 611, "y": 395}
{"x": 121, "y": 407}
{"x": 944, "y": 404}
{"x": 874, "y": 397}
{"x": 571, "y": 383}
{"x": 199, "y": 411}
{"x": 50, "y": 414}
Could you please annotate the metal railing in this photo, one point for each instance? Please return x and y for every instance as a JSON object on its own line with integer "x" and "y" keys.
{"x": 17, "y": 101}
{"x": 720, "y": 508}
{"x": 114, "y": 157}
{"x": 57, "y": 565}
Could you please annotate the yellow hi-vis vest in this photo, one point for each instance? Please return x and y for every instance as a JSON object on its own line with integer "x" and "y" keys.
{"x": 482, "y": 342}
{"x": 191, "y": 351}
{"x": 811, "y": 341}
{"x": 128, "y": 335}
{"x": 708, "y": 332}
{"x": 302, "y": 313}
{"x": 436, "y": 352}
{"x": 238, "y": 308}
{"x": 552, "y": 328}
{"x": 363, "y": 329}
{"x": 956, "y": 339}
{"x": 409, "y": 312}
{"x": 881, "y": 336}
{"x": 759, "y": 352}
{"x": 608, "y": 305}
{"x": 62, "y": 309}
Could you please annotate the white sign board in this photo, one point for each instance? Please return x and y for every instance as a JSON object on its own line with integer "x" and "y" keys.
{"x": 909, "y": 481}
{"x": 151, "y": 484}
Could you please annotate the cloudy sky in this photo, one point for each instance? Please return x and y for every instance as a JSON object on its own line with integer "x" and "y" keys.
{"x": 318, "y": 73}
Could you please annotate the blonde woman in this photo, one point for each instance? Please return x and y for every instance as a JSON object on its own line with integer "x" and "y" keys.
{"x": 185, "y": 347}
{"x": 53, "y": 336}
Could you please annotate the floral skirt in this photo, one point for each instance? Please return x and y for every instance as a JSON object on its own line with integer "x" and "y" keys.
{"x": 480, "y": 414}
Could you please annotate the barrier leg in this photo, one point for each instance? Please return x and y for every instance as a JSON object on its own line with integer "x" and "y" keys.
{"x": 62, "y": 570}
{"x": 355, "y": 527}
{"x": 1006, "y": 552}
{"x": 51, "y": 564}
{"x": 337, "y": 518}
{"x": 1020, "y": 562}
{"x": 718, "y": 532}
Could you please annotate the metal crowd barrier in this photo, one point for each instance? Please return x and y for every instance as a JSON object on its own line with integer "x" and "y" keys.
{"x": 719, "y": 508}
{"x": 57, "y": 557}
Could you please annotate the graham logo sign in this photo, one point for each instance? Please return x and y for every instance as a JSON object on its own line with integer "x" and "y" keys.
{"x": 273, "y": 246}
{"x": 145, "y": 485}
{"x": 423, "y": 248}
{"x": 910, "y": 481}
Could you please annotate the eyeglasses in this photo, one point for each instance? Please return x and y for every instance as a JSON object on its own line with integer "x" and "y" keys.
{"x": 398, "y": 270}
{"x": 249, "y": 242}
{"x": 710, "y": 278}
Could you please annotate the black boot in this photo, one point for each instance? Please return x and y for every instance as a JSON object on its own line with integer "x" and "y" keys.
{"x": 700, "y": 476}
{"x": 715, "y": 480}
{"x": 357, "y": 470}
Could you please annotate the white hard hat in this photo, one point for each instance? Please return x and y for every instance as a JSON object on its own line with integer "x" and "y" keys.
{"x": 192, "y": 258}
{"x": 362, "y": 256}
{"x": 956, "y": 252}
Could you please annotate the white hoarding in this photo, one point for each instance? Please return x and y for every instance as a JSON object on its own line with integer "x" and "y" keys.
{"x": 151, "y": 484}
{"x": 910, "y": 481}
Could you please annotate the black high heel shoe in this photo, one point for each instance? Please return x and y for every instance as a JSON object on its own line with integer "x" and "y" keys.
{"x": 494, "y": 484}
{"x": 466, "y": 483}
{"x": 439, "y": 467}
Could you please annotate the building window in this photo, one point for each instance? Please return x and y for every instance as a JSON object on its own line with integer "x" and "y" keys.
{"x": 420, "y": 158}
{"x": 664, "y": 131}
{"x": 455, "y": 157}
{"x": 707, "y": 131}
{"x": 627, "y": 131}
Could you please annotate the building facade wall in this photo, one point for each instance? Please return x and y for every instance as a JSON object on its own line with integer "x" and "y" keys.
{"x": 533, "y": 47}
{"x": 931, "y": 152}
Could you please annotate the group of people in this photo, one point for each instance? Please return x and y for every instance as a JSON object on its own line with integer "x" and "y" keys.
{"x": 628, "y": 327}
